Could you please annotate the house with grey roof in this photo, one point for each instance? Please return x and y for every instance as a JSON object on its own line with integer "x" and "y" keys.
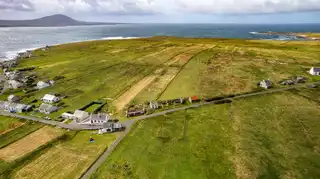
{"x": 48, "y": 98}
{"x": 47, "y": 108}
{"x": 315, "y": 71}
{"x": 265, "y": 84}
{"x": 80, "y": 116}
{"x": 13, "y": 99}
{"x": 99, "y": 119}
{"x": 13, "y": 84}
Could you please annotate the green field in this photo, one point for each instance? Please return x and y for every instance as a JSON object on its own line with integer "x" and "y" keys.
{"x": 7, "y": 124}
{"x": 203, "y": 67}
{"x": 272, "y": 136}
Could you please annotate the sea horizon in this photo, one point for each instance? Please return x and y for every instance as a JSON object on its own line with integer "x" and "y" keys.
{"x": 19, "y": 39}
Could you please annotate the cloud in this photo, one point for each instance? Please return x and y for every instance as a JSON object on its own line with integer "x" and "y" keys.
{"x": 246, "y": 6}
{"x": 110, "y": 7}
{"x": 19, "y": 5}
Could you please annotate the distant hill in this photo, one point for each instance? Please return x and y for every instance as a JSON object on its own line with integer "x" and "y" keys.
{"x": 48, "y": 21}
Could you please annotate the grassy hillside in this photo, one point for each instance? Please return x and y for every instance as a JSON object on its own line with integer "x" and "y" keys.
{"x": 166, "y": 67}
{"x": 260, "y": 137}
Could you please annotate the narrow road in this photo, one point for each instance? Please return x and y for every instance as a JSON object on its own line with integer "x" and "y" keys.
{"x": 129, "y": 123}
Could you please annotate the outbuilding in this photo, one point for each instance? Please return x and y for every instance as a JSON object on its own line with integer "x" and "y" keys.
{"x": 194, "y": 99}
{"x": 315, "y": 71}
{"x": 48, "y": 98}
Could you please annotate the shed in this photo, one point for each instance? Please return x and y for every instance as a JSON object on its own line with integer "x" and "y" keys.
{"x": 48, "y": 98}
{"x": 41, "y": 85}
{"x": 12, "y": 98}
{"x": 315, "y": 71}
{"x": 67, "y": 115}
{"x": 47, "y": 108}
{"x": 194, "y": 99}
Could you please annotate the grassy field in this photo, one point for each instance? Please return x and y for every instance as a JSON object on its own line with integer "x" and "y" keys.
{"x": 8, "y": 124}
{"x": 203, "y": 67}
{"x": 18, "y": 133}
{"x": 68, "y": 159}
{"x": 272, "y": 136}
{"x": 29, "y": 143}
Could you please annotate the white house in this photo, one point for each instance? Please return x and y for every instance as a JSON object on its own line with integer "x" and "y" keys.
{"x": 48, "y": 98}
{"x": 41, "y": 85}
{"x": 80, "y": 116}
{"x": 13, "y": 84}
{"x": 67, "y": 115}
{"x": 315, "y": 71}
{"x": 99, "y": 119}
{"x": 265, "y": 84}
{"x": 47, "y": 108}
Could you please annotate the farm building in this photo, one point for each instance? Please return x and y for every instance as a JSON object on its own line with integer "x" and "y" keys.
{"x": 48, "y": 98}
{"x": 135, "y": 112}
{"x": 194, "y": 99}
{"x": 315, "y": 71}
{"x": 12, "y": 98}
{"x": 265, "y": 84}
{"x": 41, "y": 85}
{"x": 13, "y": 84}
{"x": 47, "y": 108}
{"x": 80, "y": 116}
{"x": 154, "y": 105}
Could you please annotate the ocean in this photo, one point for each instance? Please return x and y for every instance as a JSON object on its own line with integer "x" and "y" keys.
{"x": 19, "y": 39}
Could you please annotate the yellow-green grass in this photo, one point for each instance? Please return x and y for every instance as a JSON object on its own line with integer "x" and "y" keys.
{"x": 107, "y": 69}
{"x": 276, "y": 136}
{"x": 8, "y": 124}
{"x": 18, "y": 133}
{"x": 272, "y": 136}
{"x": 69, "y": 159}
{"x": 29, "y": 143}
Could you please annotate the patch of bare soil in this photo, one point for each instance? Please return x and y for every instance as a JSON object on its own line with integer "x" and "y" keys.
{"x": 129, "y": 95}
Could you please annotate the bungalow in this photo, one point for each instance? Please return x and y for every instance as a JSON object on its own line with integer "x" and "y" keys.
{"x": 265, "y": 84}
{"x": 111, "y": 127}
{"x": 48, "y": 98}
{"x": 41, "y": 85}
{"x": 194, "y": 99}
{"x": 13, "y": 84}
{"x": 47, "y": 108}
{"x": 315, "y": 71}
{"x": 12, "y": 98}
{"x": 80, "y": 116}
{"x": 99, "y": 119}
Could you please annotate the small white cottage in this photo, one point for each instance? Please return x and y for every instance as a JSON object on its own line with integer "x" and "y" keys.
{"x": 41, "y": 85}
{"x": 48, "y": 98}
{"x": 265, "y": 84}
{"x": 315, "y": 71}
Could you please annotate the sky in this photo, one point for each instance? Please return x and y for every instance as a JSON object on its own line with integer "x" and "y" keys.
{"x": 168, "y": 11}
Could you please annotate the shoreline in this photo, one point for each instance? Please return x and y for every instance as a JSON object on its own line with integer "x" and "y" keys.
{"x": 307, "y": 35}
{"x": 32, "y": 49}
